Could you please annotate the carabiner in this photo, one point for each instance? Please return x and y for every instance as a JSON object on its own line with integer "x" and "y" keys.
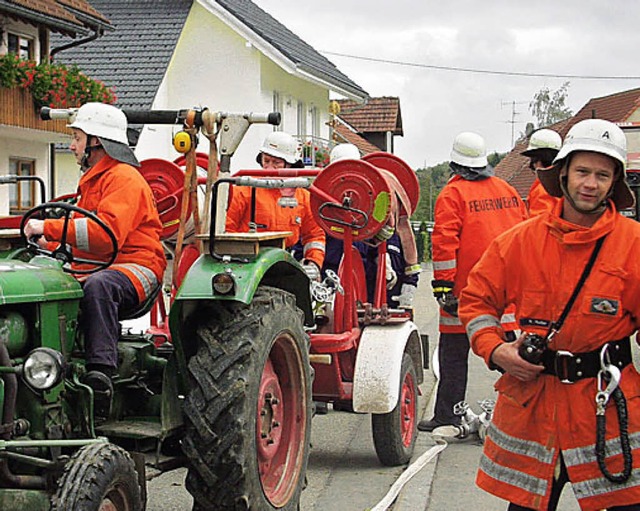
{"x": 611, "y": 375}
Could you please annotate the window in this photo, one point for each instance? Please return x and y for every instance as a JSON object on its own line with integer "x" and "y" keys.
{"x": 21, "y": 46}
{"x": 302, "y": 119}
{"x": 315, "y": 121}
{"x": 21, "y": 194}
{"x": 278, "y": 107}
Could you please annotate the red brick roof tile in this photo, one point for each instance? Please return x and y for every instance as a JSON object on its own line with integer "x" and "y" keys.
{"x": 58, "y": 9}
{"x": 617, "y": 107}
{"x": 377, "y": 115}
{"x": 343, "y": 134}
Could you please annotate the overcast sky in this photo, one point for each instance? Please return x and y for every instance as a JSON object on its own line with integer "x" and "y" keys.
{"x": 569, "y": 37}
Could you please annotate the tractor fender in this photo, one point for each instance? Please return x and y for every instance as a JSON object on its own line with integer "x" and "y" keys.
{"x": 376, "y": 380}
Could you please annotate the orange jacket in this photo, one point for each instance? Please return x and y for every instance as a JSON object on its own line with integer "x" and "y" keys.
{"x": 118, "y": 194}
{"x": 537, "y": 265}
{"x": 468, "y": 216}
{"x": 272, "y": 217}
{"x": 539, "y": 201}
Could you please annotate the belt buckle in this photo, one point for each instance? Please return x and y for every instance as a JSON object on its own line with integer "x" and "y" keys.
{"x": 561, "y": 365}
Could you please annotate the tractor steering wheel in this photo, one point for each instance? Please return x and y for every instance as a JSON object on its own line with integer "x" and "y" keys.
{"x": 63, "y": 252}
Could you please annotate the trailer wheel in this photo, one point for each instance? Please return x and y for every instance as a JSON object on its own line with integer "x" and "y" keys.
{"x": 248, "y": 415}
{"x": 99, "y": 477}
{"x": 394, "y": 433}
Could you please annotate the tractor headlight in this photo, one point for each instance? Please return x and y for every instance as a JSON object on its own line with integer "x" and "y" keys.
{"x": 43, "y": 368}
{"x": 223, "y": 283}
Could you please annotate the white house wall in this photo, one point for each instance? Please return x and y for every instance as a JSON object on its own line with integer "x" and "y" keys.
{"x": 213, "y": 66}
{"x": 22, "y": 148}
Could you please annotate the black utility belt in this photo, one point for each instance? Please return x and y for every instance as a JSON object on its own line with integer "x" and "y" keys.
{"x": 571, "y": 367}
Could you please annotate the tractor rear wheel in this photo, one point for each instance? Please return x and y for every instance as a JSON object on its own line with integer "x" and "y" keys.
{"x": 394, "y": 433}
{"x": 248, "y": 415}
{"x": 99, "y": 477}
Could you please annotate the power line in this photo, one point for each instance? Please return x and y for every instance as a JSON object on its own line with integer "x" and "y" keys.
{"x": 480, "y": 71}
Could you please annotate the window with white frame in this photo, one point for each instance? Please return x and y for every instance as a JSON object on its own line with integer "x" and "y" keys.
{"x": 22, "y": 194}
{"x": 315, "y": 121}
{"x": 302, "y": 119}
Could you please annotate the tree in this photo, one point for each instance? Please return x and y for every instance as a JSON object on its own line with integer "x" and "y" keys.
{"x": 549, "y": 107}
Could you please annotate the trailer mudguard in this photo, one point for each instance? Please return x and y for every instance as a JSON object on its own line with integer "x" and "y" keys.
{"x": 376, "y": 381}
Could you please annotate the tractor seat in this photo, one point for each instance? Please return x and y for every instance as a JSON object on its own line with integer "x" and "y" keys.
{"x": 142, "y": 307}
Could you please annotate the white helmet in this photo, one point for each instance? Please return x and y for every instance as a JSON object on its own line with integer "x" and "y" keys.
{"x": 281, "y": 145}
{"x": 597, "y": 136}
{"x": 102, "y": 121}
{"x": 344, "y": 152}
{"x": 543, "y": 139}
{"x": 469, "y": 150}
{"x": 109, "y": 124}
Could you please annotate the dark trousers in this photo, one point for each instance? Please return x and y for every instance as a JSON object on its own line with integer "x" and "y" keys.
{"x": 106, "y": 293}
{"x": 556, "y": 491}
{"x": 453, "y": 359}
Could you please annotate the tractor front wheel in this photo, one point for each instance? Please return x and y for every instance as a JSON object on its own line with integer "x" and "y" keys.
{"x": 248, "y": 414}
{"x": 394, "y": 433}
{"x": 99, "y": 477}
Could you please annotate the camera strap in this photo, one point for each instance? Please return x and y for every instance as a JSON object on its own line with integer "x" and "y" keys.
{"x": 557, "y": 325}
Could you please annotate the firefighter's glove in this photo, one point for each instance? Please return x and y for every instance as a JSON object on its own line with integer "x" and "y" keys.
{"x": 392, "y": 276}
{"x": 312, "y": 270}
{"x": 407, "y": 292}
{"x": 443, "y": 291}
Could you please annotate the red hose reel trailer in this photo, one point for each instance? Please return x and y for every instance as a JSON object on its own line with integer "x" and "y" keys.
{"x": 354, "y": 195}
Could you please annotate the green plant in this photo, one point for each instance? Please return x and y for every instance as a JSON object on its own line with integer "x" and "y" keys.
{"x": 54, "y": 85}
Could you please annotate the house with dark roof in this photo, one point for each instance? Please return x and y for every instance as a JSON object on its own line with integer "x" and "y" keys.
{"x": 226, "y": 55}
{"x": 26, "y": 28}
{"x": 377, "y": 120}
{"x": 621, "y": 108}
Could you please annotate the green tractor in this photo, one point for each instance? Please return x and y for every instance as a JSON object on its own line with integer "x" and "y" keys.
{"x": 231, "y": 392}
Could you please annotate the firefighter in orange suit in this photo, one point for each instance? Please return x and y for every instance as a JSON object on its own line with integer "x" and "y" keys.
{"x": 550, "y": 425}
{"x": 282, "y": 209}
{"x": 113, "y": 189}
{"x": 543, "y": 147}
{"x": 471, "y": 210}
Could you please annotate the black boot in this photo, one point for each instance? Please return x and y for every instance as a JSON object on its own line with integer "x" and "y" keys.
{"x": 102, "y": 393}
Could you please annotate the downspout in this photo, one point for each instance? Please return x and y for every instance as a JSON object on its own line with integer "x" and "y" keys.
{"x": 389, "y": 142}
{"x": 52, "y": 171}
{"x": 72, "y": 44}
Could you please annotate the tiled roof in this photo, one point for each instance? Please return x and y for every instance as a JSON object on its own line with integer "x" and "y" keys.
{"x": 344, "y": 134}
{"x": 134, "y": 57}
{"x": 376, "y": 115}
{"x": 514, "y": 168}
{"x": 289, "y": 44}
{"x": 617, "y": 107}
{"x": 69, "y": 17}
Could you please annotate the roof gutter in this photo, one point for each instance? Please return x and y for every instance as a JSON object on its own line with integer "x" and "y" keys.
{"x": 58, "y": 24}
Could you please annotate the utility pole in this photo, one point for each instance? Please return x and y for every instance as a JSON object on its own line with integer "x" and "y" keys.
{"x": 513, "y": 116}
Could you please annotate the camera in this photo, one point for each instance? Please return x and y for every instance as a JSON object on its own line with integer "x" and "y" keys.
{"x": 532, "y": 348}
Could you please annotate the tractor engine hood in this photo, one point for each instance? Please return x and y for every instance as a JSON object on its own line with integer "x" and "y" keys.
{"x": 39, "y": 280}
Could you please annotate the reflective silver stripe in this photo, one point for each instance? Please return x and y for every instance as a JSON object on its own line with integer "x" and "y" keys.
{"x": 519, "y": 446}
{"x": 445, "y": 265}
{"x": 480, "y": 322}
{"x": 601, "y": 486}
{"x": 587, "y": 453}
{"x": 508, "y": 318}
{"x": 82, "y": 234}
{"x": 146, "y": 277}
{"x": 450, "y": 321}
{"x": 313, "y": 244}
{"x": 513, "y": 477}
